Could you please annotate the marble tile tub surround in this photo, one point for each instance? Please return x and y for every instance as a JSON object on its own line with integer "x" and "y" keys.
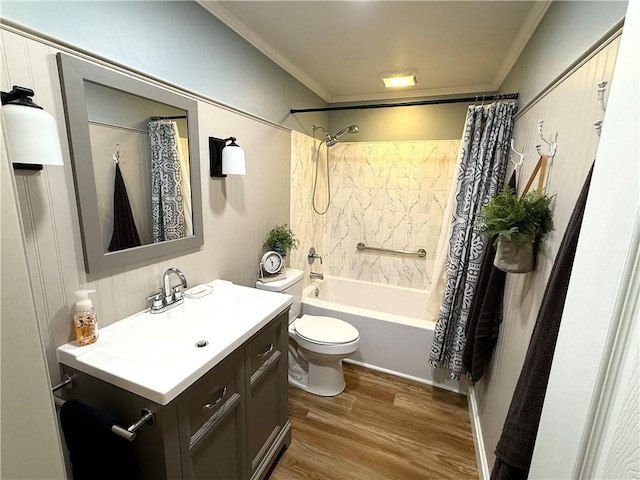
{"x": 385, "y": 194}
{"x": 307, "y": 225}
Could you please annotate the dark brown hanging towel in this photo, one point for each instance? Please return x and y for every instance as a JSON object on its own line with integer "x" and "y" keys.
{"x": 96, "y": 453}
{"x": 485, "y": 315}
{"x": 125, "y": 233}
{"x": 515, "y": 447}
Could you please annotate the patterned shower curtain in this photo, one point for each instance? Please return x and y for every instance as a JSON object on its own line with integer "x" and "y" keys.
{"x": 484, "y": 151}
{"x": 170, "y": 188}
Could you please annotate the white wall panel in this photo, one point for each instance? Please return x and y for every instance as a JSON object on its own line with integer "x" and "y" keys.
{"x": 568, "y": 109}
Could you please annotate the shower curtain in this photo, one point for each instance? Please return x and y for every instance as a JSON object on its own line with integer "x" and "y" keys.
{"x": 170, "y": 188}
{"x": 484, "y": 151}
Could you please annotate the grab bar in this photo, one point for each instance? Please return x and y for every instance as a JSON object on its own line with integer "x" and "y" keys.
{"x": 147, "y": 416}
{"x": 421, "y": 252}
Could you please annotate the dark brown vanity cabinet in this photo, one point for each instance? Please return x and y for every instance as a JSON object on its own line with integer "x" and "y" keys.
{"x": 230, "y": 424}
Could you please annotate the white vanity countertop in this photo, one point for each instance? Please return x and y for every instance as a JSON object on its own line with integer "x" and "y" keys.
{"x": 154, "y": 355}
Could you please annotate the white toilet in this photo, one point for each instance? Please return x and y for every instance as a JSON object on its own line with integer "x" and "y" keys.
{"x": 317, "y": 344}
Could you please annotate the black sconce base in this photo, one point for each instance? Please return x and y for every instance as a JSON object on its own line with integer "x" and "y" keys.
{"x": 215, "y": 156}
{"x": 27, "y": 166}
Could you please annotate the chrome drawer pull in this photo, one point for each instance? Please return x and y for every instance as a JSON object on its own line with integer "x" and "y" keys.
{"x": 210, "y": 406}
{"x": 269, "y": 350}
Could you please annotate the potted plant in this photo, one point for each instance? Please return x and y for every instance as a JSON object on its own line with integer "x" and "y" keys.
{"x": 281, "y": 239}
{"x": 518, "y": 223}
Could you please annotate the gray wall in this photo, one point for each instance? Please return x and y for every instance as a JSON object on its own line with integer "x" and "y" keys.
{"x": 122, "y": 109}
{"x": 566, "y": 32}
{"x": 181, "y": 43}
{"x": 429, "y": 122}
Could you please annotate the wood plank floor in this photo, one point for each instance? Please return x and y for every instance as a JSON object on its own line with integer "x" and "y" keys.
{"x": 381, "y": 427}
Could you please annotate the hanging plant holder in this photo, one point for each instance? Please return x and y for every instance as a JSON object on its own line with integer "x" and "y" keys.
{"x": 515, "y": 257}
{"x": 518, "y": 224}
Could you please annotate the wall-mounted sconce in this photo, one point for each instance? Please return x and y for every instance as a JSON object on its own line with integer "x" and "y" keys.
{"x": 226, "y": 159}
{"x": 32, "y": 134}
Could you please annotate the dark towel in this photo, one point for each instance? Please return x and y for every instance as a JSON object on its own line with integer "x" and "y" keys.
{"x": 515, "y": 447}
{"x": 96, "y": 452}
{"x": 485, "y": 315}
{"x": 125, "y": 233}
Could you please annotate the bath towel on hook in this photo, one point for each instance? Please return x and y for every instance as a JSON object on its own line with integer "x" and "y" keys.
{"x": 514, "y": 450}
{"x": 125, "y": 234}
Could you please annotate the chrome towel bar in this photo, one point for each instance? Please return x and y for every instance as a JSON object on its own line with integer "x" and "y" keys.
{"x": 147, "y": 416}
{"x": 421, "y": 252}
{"x": 66, "y": 380}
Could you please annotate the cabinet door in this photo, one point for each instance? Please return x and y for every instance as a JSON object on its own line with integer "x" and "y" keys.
{"x": 266, "y": 363}
{"x": 212, "y": 424}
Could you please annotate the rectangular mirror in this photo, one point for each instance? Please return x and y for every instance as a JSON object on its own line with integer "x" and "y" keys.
{"x": 136, "y": 165}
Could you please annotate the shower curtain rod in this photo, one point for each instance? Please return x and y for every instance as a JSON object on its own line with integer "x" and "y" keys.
{"x": 439, "y": 101}
{"x": 168, "y": 117}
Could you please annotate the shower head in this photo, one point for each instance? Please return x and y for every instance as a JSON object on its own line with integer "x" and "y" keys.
{"x": 344, "y": 131}
{"x": 333, "y": 139}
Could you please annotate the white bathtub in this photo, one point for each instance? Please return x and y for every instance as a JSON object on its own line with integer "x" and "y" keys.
{"x": 394, "y": 337}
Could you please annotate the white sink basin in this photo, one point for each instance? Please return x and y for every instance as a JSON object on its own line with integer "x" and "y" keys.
{"x": 155, "y": 355}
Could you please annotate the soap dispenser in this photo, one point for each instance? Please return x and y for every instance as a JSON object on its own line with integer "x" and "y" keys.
{"x": 84, "y": 320}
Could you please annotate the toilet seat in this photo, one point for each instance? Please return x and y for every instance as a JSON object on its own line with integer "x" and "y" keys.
{"x": 325, "y": 330}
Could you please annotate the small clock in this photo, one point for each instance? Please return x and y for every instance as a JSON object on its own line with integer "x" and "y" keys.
{"x": 272, "y": 262}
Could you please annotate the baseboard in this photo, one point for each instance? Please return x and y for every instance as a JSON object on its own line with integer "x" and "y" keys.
{"x": 408, "y": 377}
{"x": 476, "y": 432}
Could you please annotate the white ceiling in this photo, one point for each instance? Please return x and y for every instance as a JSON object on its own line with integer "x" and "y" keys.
{"x": 338, "y": 49}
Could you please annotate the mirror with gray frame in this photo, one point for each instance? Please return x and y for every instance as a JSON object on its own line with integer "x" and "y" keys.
{"x": 136, "y": 166}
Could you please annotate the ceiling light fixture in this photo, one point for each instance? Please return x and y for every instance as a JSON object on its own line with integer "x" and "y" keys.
{"x": 396, "y": 80}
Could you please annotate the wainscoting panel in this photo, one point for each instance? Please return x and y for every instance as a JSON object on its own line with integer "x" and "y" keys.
{"x": 568, "y": 109}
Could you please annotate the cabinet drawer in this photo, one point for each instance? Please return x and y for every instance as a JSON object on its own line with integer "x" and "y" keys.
{"x": 262, "y": 349}
{"x": 210, "y": 393}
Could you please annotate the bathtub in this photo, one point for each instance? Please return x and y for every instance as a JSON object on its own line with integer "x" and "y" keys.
{"x": 394, "y": 337}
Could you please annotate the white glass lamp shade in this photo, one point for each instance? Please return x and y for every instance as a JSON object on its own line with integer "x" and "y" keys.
{"x": 32, "y": 135}
{"x": 233, "y": 160}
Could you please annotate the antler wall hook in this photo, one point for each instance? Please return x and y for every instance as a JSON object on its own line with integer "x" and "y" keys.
{"x": 553, "y": 145}
{"x": 602, "y": 87}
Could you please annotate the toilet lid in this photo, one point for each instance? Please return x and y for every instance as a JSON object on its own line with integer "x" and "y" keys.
{"x": 325, "y": 329}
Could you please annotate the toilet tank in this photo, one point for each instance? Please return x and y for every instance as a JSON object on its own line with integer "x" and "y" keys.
{"x": 291, "y": 285}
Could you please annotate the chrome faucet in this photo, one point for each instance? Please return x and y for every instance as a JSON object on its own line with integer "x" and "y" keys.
{"x": 171, "y": 296}
{"x": 312, "y": 255}
{"x": 168, "y": 297}
{"x": 316, "y": 276}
